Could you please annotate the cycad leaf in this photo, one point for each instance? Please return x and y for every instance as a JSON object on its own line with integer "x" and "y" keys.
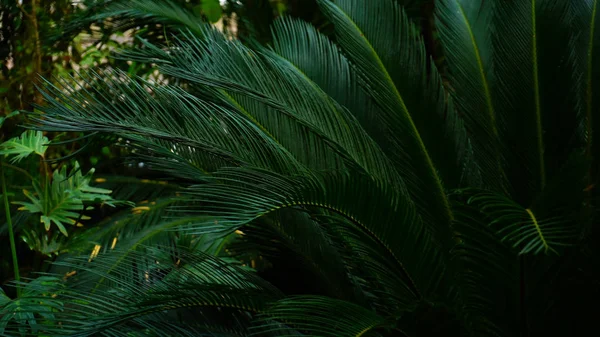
{"x": 481, "y": 257}
{"x": 522, "y": 228}
{"x": 412, "y": 102}
{"x": 192, "y": 284}
{"x": 533, "y": 97}
{"x": 124, "y": 14}
{"x": 36, "y": 306}
{"x": 465, "y": 30}
{"x": 295, "y": 237}
{"x": 167, "y": 121}
{"x": 301, "y": 44}
{"x": 280, "y": 99}
{"x": 243, "y": 195}
{"x": 586, "y": 18}
{"x": 29, "y": 142}
{"x": 317, "y": 316}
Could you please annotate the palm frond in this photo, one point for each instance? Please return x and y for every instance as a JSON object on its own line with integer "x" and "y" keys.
{"x": 584, "y": 16}
{"x": 317, "y": 316}
{"x": 531, "y": 46}
{"x": 120, "y": 15}
{"x": 145, "y": 286}
{"x": 164, "y": 119}
{"x": 413, "y": 105}
{"x": 465, "y": 30}
{"x": 33, "y": 310}
{"x": 522, "y": 228}
{"x": 135, "y": 189}
{"x": 279, "y": 98}
{"x": 487, "y": 274}
{"x": 301, "y": 43}
{"x": 294, "y": 237}
{"x": 243, "y": 195}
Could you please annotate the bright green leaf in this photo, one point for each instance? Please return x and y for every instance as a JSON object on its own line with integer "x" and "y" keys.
{"x": 212, "y": 10}
{"x": 29, "y": 142}
{"x": 66, "y": 196}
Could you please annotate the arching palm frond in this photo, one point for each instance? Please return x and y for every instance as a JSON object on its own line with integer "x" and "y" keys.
{"x": 249, "y": 194}
{"x": 407, "y": 204}
{"x": 311, "y": 315}
{"x": 479, "y": 259}
{"x": 465, "y": 29}
{"x": 120, "y": 15}
{"x": 179, "y": 120}
{"x": 584, "y": 16}
{"x": 281, "y": 100}
{"x": 412, "y": 102}
{"x": 135, "y": 297}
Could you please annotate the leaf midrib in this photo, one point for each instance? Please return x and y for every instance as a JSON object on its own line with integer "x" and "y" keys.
{"x": 538, "y": 229}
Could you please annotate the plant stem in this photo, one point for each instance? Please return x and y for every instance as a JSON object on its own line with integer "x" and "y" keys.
{"x": 11, "y": 234}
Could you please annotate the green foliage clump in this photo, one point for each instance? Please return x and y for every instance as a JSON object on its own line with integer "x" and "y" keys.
{"x": 340, "y": 184}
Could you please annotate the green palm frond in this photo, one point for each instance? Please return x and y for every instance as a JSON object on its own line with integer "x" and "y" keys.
{"x": 584, "y": 16}
{"x": 135, "y": 189}
{"x": 408, "y": 204}
{"x": 145, "y": 286}
{"x": 413, "y": 105}
{"x": 245, "y": 195}
{"x": 479, "y": 258}
{"x": 532, "y": 49}
{"x": 37, "y": 306}
{"x": 465, "y": 30}
{"x": 522, "y": 228}
{"x": 300, "y": 43}
{"x": 317, "y": 316}
{"x": 282, "y": 101}
{"x": 120, "y": 15}
{"x": 21, "y": 147}
{"x": 294, "y": 237}
{"x": 178, "y": 119}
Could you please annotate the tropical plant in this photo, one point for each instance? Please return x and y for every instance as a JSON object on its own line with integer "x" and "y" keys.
{"x": 51, "y": 197}
{"x": 390, "y": 204}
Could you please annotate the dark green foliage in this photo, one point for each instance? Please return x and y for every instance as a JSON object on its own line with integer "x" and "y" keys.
{"x": 335, "y": 185}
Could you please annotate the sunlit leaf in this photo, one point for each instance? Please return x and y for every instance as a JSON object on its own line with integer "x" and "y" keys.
{"x": 29, "y": 142}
